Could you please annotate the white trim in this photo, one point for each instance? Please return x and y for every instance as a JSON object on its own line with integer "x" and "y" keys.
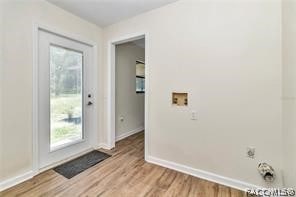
{"x": 111, "y": 87}
{"x": 15, "y": 180}
{"x": 104, "y": 146}
{"x": 129, "y": 133}
{"x": 147, "y": 94}
{"x": 35, "y": 33}
{"x": 111, "y": 94}
{"x": 35, "y": 151}
{"x": 240, "y": 185}
{"x": 95, "y": 140}
{"x": 65, "y": 34}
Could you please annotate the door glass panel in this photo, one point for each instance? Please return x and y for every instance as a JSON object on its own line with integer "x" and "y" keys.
{"x": 66, "y": 109}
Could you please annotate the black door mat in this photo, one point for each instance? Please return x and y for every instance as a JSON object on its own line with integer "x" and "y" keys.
{"x": 78, "y": 165}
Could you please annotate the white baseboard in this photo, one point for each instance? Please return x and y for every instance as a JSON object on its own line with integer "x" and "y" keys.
{"x": 15, "y": 180}
{"x": 28, "y": 175}
{"x": 129, "y": 133}
{"x": 240, "y": 185}
{"x": 104, "y": 146}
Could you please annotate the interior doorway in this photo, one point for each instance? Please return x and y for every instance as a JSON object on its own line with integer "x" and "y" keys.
{"x": 129, "y": 89}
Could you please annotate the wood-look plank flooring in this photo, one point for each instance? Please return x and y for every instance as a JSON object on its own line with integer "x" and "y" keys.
{"x": 124, "y": 174}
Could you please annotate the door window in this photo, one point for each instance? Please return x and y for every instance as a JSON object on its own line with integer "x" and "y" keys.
{"x": 66, "y": 100}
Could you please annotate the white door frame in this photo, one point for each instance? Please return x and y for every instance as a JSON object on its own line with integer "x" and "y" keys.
{"x": 111, "y": 87}
{"x": 36, "y": 28}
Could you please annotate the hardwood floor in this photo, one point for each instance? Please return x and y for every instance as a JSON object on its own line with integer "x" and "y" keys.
{"x": 124, "y": 174}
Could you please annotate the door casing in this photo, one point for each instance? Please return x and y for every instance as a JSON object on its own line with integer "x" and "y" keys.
{"x": 94, "y": 143}
{"x": 111, "y": 88}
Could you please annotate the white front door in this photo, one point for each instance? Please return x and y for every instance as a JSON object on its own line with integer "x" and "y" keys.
{"x": 65, "y": 98}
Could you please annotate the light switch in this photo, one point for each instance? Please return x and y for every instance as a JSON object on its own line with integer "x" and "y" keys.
{"x": 193, "y": 115}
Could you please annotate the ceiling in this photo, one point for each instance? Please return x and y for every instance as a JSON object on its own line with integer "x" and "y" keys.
{"x": 107, "y": 12}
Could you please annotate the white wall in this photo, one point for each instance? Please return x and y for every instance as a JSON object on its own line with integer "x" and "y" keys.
{"x": 17, "y": 83}
{"x": 129, "y": 104}
{"x": 289, "y": 91}
{"x": 227, "y": 56}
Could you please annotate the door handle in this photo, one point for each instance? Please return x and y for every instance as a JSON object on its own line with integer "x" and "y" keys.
{"x": 89, "y": 103}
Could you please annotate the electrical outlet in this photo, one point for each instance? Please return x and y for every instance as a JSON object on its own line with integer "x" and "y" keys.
{"x": 251, "y": 152}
